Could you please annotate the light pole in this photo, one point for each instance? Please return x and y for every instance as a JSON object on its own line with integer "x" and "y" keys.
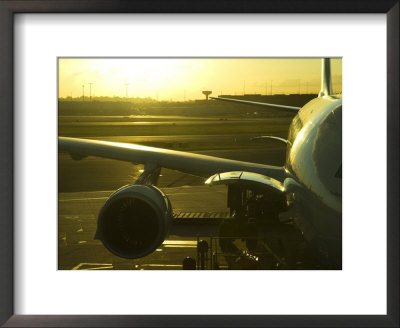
{"x": 90, "y": 91}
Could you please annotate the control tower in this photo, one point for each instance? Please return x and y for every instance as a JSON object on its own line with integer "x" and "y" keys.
{"x": 206, "y": 93}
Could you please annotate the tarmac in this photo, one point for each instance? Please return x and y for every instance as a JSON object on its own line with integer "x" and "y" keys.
{"x": 85, "y": 185}
{"x": 77, "y": 213}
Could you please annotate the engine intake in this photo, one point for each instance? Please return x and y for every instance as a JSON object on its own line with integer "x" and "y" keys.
{"x": 134, "y": 221}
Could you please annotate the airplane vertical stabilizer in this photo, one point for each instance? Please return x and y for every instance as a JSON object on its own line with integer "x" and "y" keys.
{"x": 326, "y": 78}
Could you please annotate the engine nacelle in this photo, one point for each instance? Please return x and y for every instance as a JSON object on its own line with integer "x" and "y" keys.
{"x": 134, "y": 221}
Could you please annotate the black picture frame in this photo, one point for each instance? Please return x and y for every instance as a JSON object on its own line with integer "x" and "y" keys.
{"x": 7, "y": 10}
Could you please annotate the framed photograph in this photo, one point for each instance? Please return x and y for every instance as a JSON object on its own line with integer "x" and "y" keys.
{"x": 254, "y": 97}
{"x": 180, "y": 134}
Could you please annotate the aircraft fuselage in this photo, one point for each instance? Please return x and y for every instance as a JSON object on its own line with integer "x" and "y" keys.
{"x": 313, "y": 186}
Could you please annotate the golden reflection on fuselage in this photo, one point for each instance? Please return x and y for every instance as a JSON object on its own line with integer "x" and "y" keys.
{"x": 313, "y": 187}
{"x": 305, "y": 138}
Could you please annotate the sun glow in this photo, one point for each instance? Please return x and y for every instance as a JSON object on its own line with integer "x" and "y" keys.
{"x": 184, "y": 78}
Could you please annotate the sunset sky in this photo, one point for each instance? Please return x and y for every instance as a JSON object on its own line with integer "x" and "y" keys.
{"x": 181, "y": 79}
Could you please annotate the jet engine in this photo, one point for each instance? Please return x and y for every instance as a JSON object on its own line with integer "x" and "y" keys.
{"x": 134, "y": 221}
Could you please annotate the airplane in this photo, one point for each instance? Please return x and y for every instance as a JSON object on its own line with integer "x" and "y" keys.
{"x": 306, "y": 190}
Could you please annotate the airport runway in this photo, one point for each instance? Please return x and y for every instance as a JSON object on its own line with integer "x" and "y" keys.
{"x": 159, "y": 118}
{"x": 139, "y": 126}
{"x": 77, "y": 223}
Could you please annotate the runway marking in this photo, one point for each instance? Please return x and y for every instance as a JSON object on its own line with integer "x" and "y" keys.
{"x": 106, "y": 197}
{"x": 100, "y": 268}
{"x": 91, "y": 192}
{"x": 162, "y": 265}
{"x": 168, "y": 193}
{"x": 180, "y": 246}
{"x": 178, "y": 214}
{"x": 180, "y": 242}
{"x": 96, "y": 266}
{"x": 80, "y": 199}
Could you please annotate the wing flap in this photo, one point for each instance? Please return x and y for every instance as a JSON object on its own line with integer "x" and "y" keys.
{"x": 191, "y": 163}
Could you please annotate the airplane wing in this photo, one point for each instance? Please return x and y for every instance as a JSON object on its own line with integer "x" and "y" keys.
{"x": 255, "y": 103}
{"x": 191, "y": 163}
